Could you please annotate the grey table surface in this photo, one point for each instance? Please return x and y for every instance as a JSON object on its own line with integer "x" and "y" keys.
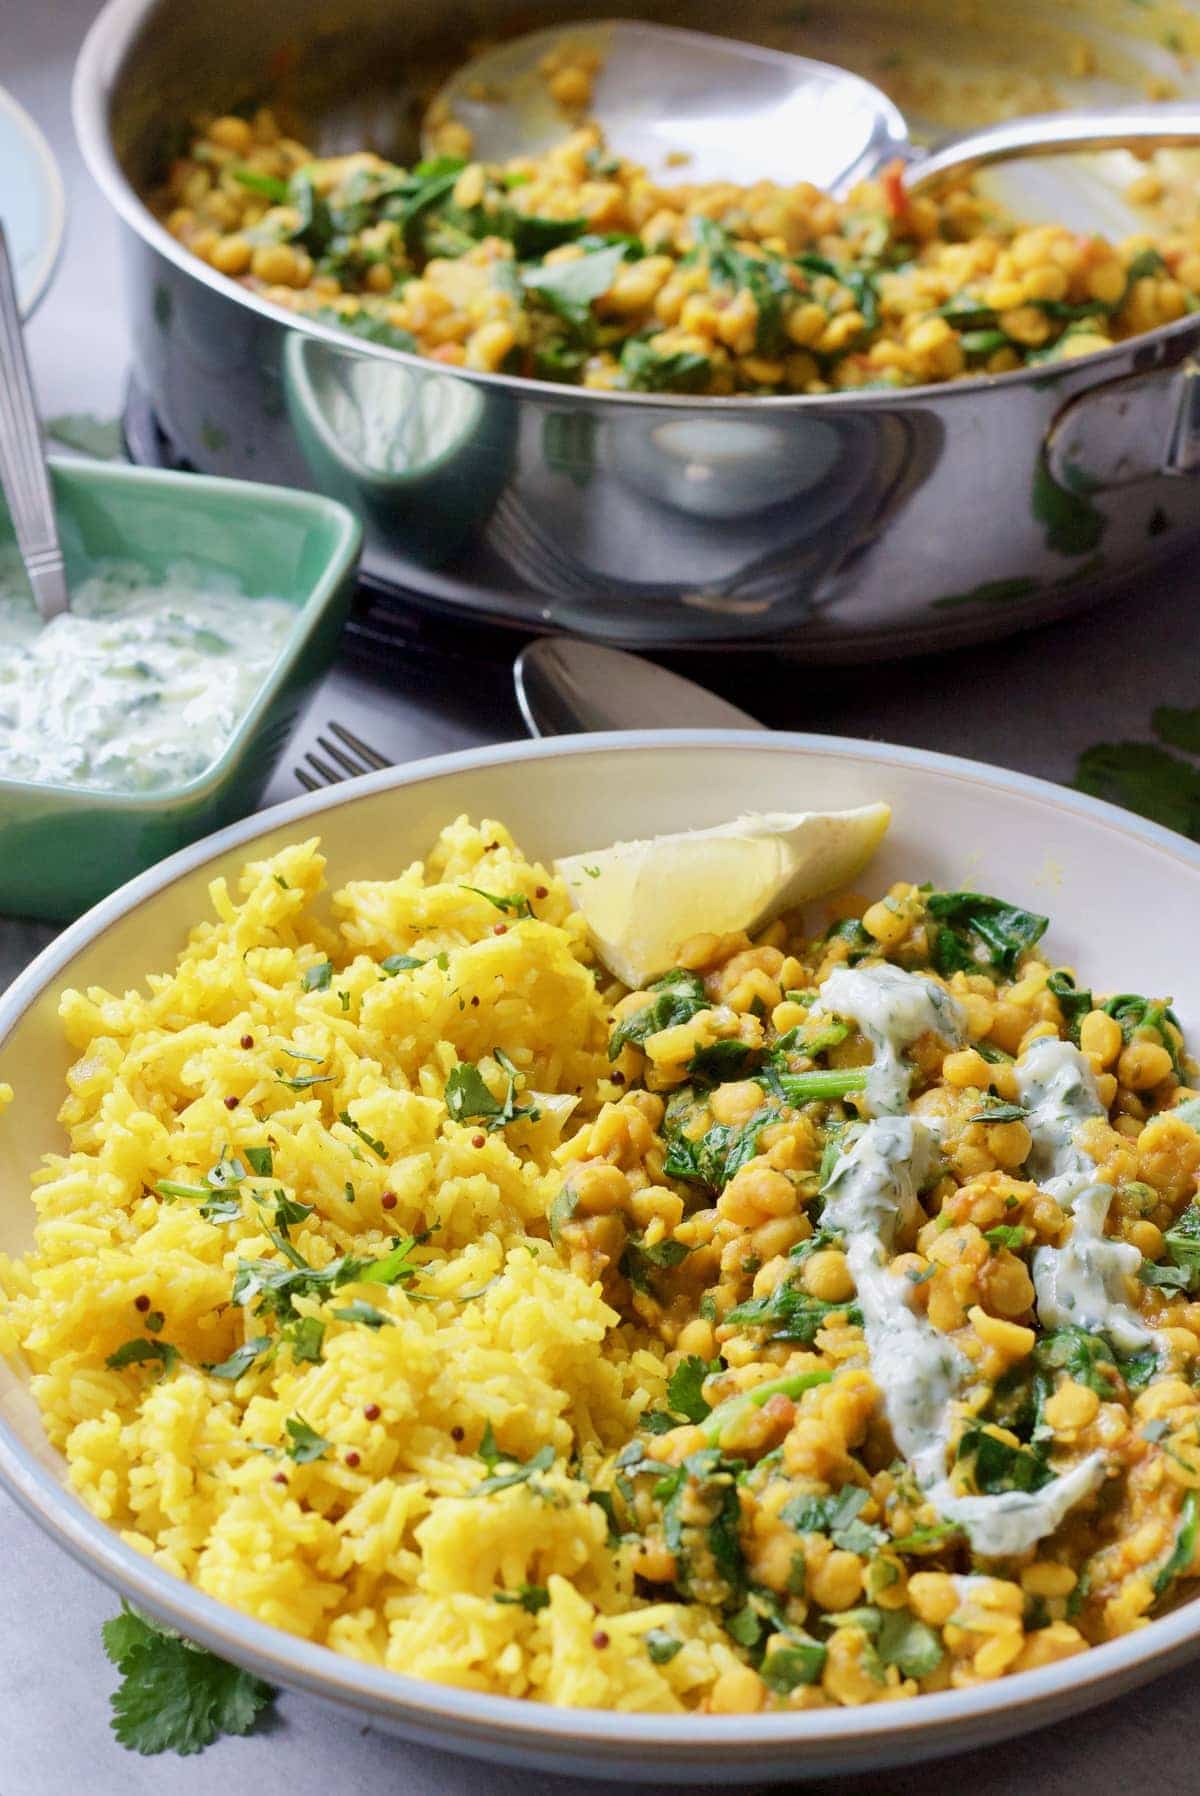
{"x": 1032, "y": 703}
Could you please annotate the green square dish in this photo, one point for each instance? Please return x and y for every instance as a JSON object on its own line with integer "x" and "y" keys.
{"x": 62, "y": 847}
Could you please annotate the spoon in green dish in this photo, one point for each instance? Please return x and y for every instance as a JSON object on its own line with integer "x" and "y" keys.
{"x": 23, "y": 472}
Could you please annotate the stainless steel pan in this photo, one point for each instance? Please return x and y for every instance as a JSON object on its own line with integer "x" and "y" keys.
{"x": 842, "y": 527}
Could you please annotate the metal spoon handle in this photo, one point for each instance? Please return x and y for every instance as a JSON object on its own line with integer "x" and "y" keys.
{"x": 22, "y": 457}
{"x": 1158, "y": 127}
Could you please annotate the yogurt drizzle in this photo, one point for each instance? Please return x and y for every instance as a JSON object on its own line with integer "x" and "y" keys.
{"x": 872, "y": 1194}
{"x": 1083, "y": 1282}
{"x": 892, "y": 1008}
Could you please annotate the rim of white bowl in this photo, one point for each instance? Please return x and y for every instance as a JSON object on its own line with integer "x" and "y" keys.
{"x": 517, "y": 1723}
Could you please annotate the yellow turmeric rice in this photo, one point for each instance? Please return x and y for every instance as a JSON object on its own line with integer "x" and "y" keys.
{"x": 412, "y": 1288}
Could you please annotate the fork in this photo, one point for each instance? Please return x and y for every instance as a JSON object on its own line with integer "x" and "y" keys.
{"x": 349, "y": 756}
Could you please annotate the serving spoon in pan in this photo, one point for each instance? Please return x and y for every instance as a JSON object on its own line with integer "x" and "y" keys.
{"x": 692, "y": 107}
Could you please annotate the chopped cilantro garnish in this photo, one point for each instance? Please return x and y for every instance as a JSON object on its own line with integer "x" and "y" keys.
{"x": 469, "y": 1100}
{"x": 530, "y": 1597}
{"x": 318, "y": 977}
{"x": 304, "y": 1444}
{"x": 142, "y": 1352}
{"x": 376, "y": 1146}
{"x": 513, "y": 904}
{"x": 241, "y": 1359}
{"x": 366, "y": 1313}
{"x": 520, "y": 1473}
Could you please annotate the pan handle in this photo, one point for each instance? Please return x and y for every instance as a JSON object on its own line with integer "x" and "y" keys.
{"x": 1126, "y": 430}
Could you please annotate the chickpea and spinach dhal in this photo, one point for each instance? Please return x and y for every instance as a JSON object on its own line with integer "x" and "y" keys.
{"x": 817, "y": 1326}
{"x": 578, "y": 267}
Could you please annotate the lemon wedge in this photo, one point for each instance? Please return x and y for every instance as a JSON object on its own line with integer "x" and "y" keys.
{"x": 643, "y": 900}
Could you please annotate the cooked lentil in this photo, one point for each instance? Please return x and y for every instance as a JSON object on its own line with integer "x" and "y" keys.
{"x": 577, "y": 267}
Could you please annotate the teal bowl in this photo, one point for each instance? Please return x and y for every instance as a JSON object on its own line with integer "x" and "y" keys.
{"x": 62, "y": 848}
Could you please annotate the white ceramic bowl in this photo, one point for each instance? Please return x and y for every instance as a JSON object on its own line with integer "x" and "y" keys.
{"x": 1123, "y": 897}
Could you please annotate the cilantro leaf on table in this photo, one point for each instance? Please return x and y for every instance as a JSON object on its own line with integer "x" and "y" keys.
{"x": 174, "y": 1696}
{"x": 1143, "y": 778}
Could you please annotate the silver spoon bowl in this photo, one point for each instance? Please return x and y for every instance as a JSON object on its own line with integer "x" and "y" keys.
{"x": 683, "y": 104}
{"x": 564, "y": 685}
{"x": 692, "y": 107}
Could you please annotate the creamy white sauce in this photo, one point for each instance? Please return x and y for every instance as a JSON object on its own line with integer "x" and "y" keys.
{"x": 140, "y": 685}
{"x": 892, "y": 1009}
{"x": 870, "y": 1196}
{"x": 1085, "y": 1282}
{"x": 1058, "y": 1089}
{"x": 1012, "y": 1521}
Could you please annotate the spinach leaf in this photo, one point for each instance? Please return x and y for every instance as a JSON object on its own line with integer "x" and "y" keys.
{"x": 569, "y": 288}
{"x": 998, "y": 1465}
{"x": 646, "y": 370}
{"x": 372, "y": 330}
{"x": 721, "y": 1060}
{"x": 789, "y": 1314}
{"x": 765, "y": 276}
{"x": 417, "y": 194}
{"x": 1073, "y": 1000}
{"x": 1136, "y": 1014}
{"x": 976, "y": 930}
{"x": 679, "y": 996}
{"x": 713, "y": 1158}
{"x": 640, "y": 1261}
{"x": 315, "y": 229}
{"x": 858, "y": 280}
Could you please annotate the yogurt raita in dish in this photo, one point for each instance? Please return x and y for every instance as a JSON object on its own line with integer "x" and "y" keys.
{"x": 140, "y": 685}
